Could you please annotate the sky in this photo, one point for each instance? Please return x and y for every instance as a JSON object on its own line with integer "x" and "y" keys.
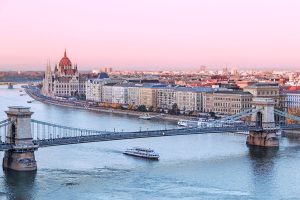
{"x": 150, "y": 34}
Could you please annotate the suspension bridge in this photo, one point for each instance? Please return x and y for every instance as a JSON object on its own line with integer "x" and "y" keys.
{"x": 21, "y": 136}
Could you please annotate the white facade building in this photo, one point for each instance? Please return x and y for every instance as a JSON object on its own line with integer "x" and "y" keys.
{"x": 107, "y": 95}
{"x": 120, "y": 94}
{"x": 94, "y": 87}
{"x": 134, "y": 95}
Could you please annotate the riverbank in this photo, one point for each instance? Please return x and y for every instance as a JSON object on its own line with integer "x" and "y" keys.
{"x": 36, "y": 95}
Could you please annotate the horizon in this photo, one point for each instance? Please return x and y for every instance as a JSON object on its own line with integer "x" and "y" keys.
{"x": 138, "y": 35}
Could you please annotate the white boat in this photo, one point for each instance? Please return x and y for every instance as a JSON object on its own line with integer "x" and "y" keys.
{"x": 187, "y": 123}
{"x": 145, "y": 116}
{"x": 182, "y": 123}
{"x": 142, "y": 152}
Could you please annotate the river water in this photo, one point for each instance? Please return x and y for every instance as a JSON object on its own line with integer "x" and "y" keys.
{"x": 209, "y": 166}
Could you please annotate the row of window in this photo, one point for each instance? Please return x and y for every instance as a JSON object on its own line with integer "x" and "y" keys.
{"x": 267, "y": 92}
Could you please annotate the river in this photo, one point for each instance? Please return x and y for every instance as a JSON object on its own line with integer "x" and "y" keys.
{"x": 209, "y": 166}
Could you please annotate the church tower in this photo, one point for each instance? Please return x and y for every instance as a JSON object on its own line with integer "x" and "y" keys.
{"x": 47, "y": 83}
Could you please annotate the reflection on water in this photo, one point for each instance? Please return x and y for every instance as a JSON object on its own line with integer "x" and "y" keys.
{"x": 262, "y": 161}
{"x": 19, "y": 185}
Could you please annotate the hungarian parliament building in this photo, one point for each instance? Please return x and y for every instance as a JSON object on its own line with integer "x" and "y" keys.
{"x": 65, "y": 81}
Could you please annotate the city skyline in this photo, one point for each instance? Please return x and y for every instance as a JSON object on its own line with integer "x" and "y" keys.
{"x": 138, "y": 35}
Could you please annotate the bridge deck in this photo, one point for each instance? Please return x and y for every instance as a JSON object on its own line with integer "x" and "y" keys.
{"x": 125, "y": 136}
{"x": 129, "y": 135}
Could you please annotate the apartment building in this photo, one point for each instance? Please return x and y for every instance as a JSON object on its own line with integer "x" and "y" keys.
{"x": 134, "y": 94}
{"x": 147, "y": 96}
{"x": 227, "y": 102}
{"x": 120, "y": 93}
{"x": 165, "y": 97}
{"x": 190, "y": 99}
{"x": 94, "y": 87}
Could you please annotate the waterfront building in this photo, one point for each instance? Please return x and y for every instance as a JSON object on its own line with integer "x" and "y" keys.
{"x": 148, "y": 96}
{"x": 107, "y": 94}
{"x": 165, "y": 97}
{"x": 120, "y": 93}
{"x": 227, "y": 102}
{"x": 290, "y": 99}
{"x": 134, "y": 94}
{"x": 266, "y": 90}
{"x": 190, "y": 99}
{"x": 94, "y": 87}
{"x": 65, "y": 81}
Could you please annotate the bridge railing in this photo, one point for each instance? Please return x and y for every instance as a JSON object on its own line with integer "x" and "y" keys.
{"x": 4, "y": 125}
{"x": 45, "y": 130}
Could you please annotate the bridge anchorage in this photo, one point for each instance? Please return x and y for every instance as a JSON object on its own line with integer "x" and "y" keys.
{"x": 263, "y": 133}
{"x": 20, "y": 156}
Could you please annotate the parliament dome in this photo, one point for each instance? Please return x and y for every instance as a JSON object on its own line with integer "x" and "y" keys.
{"x": 65, "y": 61}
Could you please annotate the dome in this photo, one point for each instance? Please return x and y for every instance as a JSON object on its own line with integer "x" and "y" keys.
{"x": 65, "y": 61}
{"x": 103, "y": 75}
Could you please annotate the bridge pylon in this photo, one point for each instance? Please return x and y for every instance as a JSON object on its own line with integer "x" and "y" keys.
{"x": 264, "y": 133}
{"x": 19, "y": 136}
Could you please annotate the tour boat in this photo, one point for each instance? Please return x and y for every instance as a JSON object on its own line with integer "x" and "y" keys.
{"x": 145, "y": 116}
{"x": 142, "y": 152}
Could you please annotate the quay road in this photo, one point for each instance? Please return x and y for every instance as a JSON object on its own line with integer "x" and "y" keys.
{"x": 35, "y": 93}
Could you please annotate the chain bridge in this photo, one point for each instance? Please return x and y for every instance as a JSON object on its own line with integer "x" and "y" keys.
{"x": 21, "y": 136}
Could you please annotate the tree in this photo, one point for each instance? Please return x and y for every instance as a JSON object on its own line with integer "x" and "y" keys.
{"x": 174, "y": 110}
{"x": 142, "y": 108}
{"x": 296, "y": 112}
{"x": 212, "y": 114}
{"x": 151, "y": 109}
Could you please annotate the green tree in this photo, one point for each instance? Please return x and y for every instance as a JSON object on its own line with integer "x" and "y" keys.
{"x": 151, "y": 109}
{"x": 142, "y": 108}
{"x": 174, "y": 110}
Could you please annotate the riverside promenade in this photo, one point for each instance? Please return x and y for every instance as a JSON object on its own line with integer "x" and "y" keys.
{"x": 35, "y": 93}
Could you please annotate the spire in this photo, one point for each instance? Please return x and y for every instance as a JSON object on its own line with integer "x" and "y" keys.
{"x": 65, "y": 55}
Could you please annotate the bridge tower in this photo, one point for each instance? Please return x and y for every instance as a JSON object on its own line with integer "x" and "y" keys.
{"x": 264, "y": 133}
{"x": 21, "y": 156}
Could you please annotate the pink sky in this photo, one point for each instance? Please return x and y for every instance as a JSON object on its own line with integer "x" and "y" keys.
{"x": 150, "y": 34}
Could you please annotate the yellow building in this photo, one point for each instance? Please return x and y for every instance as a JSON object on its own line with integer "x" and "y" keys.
{"x": 147, "y": 96}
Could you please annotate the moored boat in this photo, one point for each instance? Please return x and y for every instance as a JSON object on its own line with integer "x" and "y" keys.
{"x": 142, "y": 152}
{"x": 145, "y": 116}
{"x": 187, "y": 123}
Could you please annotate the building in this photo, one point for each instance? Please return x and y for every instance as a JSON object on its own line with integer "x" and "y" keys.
{"x": 148, "y": 96}
{"x": 190, "y": 99}
{"x": 106, "y": 70}
{"x": 165, "y": 97}
{"x": 266, "y": 90}
{"x": 94, "y": 87}
{"x": 134, "y": 94}
{"x": 290, "y": 99}
{"x": 107, "y": 94}
{"x": 65, "y": 81}
{"x": 227, "y": 102}
{"x": 120, "y": 93}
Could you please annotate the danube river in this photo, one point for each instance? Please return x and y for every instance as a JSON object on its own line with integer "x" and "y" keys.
{"x": 209, "y": 166}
